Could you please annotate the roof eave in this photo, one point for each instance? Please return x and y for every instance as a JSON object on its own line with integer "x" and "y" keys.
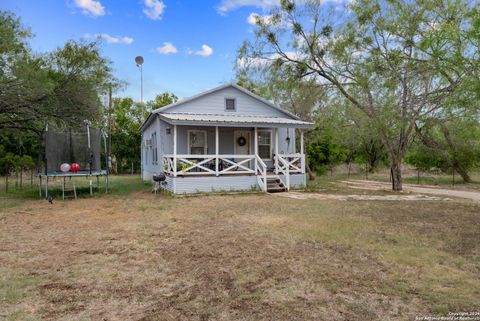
{"x": 148, "y": 121}
{"x": 234, "y": 124}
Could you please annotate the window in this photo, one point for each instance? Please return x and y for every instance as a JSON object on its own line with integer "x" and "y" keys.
{"x": 230, "y": 104}
{"x": 145, "y": 161}
{"x": 265, "y": 144}
{"x": 197, "y": 142}
{"x": 154, "y": 149}
{"x": 168, "y": 131}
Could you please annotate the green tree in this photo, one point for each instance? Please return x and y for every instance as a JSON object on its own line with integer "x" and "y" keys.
{"x": 391, "y": 60}
{"x": 324, "y": 153}
{"x": 13, "y": 36}
{"x": 346, "y": 127}
{"x": 454, "y": 141}
{"x": 24, "y": 163}
{"x": 61, "y": 87}
{"x": 162, "y": 100}
{"x": 20, "y": 142}
{"x": 7, "y": 165}
{"x": 127, "y": 118}
{"x": 423, "y": 159}
{"x": 81, "y": 75}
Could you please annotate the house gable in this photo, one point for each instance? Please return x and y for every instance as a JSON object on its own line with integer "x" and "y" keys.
{"x": 214, "y": 102}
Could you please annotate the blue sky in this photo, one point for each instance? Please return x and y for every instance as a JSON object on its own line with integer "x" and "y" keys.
{"x": 188, "y": 46}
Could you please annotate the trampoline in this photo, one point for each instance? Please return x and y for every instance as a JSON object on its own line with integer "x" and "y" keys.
{"x": 80, "y": 146}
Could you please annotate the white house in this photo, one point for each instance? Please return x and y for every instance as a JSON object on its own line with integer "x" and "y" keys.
{"x": 224, "y": 139}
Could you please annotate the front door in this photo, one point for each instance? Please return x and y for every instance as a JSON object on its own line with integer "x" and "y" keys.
{"x": 197, "y": 142}
{"x": 242, "y": 146}
{"x": 241, "y": 142}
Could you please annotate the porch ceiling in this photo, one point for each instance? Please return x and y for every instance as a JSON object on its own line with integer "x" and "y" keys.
{"x": 232, "y": 120}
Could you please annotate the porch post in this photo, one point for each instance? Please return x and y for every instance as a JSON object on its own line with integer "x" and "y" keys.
{"x": 276, "y": 150}
{"x": 255, "y": 147}
{"x": 302, "y": 151}
{"x": 301, "y": 141}
{"x": 216, "y": 151}
{"x": 175, "y": 150}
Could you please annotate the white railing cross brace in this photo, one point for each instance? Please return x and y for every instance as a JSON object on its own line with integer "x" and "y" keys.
{"x": 237, "y": 165}
{"x": 196, "y": 165}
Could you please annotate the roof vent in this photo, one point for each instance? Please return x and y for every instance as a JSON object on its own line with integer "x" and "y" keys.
{"x": 230, "y": 104}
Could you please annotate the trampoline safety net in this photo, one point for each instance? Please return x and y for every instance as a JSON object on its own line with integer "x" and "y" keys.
{"x": 72, "y": 146}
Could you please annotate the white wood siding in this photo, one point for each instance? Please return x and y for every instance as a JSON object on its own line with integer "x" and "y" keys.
{"x": 189, "y": 185}
{"x": 214, "y": 103}
{"x": 164, "y": 145}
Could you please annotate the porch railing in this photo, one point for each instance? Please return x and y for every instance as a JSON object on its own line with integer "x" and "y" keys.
{"x": 283, "y": 169}
{"x": 294, "y": 162}
{"x": 208, "y": 164}
{"x": 185, "y": 165}
{"x": 261, "y": 172}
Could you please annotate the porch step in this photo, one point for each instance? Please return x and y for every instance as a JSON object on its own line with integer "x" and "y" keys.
{"x": 274, "y": 185}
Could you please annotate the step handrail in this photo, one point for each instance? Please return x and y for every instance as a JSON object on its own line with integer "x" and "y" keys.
{"x": 284, "y": 168}
{"x": 261, "y": 168}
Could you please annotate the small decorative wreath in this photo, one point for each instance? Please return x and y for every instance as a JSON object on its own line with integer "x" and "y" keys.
{"x": 241, "y": 141}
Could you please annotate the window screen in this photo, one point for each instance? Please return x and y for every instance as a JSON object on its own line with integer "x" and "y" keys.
{"x": 230, "y": 104}
{"x": 265, "y": 144}
{"x": 145, "y": 148}
{"x": 198, "y": 142}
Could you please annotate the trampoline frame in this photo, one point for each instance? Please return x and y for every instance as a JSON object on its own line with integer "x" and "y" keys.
{"x": 71, "y": 175}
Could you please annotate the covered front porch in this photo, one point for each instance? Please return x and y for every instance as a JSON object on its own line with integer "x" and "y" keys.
{"x": 262, "y": 152}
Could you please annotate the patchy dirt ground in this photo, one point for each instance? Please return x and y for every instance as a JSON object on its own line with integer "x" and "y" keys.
{"x": 421, "y": 189}
{"x": 240, "y": 257}
{"x": 357, "y": 197}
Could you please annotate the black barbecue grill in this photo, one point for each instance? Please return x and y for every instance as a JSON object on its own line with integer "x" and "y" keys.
{"x": 158, "y": 179}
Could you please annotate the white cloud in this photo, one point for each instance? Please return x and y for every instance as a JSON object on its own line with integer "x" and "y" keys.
{"x": 154, "y": 9}
{"x": 167, "y": 49}
{"x": 230, "y": 5}
{"x": 111, "y": 39}
{"x": 91, "y": 7}
{"x": 254, "y": 17}
{"x": 205, "y": 52}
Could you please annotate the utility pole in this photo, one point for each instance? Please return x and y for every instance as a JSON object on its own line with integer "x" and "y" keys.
{"x": 141, "y": 83}
{"x": 109, "y": 124}
{"x": 139, "y": 61}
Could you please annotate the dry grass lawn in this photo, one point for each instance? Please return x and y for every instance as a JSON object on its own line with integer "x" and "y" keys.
{"x": 237, "y": 257}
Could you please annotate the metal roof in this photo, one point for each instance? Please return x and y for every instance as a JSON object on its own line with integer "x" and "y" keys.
{"x": 231, "y": 120}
